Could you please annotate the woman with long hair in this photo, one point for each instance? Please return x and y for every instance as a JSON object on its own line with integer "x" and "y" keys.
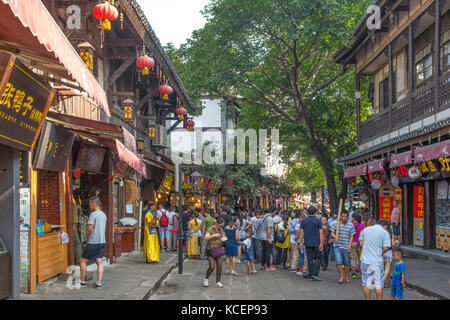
{"x": 215, "y": 252}
{"x": 282, "y": 247}
{"x": 231, "y": 246}
{"x": 242, "y": 226}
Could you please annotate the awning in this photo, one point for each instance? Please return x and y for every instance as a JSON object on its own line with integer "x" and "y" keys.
{"x": 131, "y": 159}
{"x": 355, "y": 171}
{"x": 106, "y": 134}
{"x": 29, "y": 27}
{"x": 432, "y": 152}
{"x": 401, "y": 159}
{"x": 376, "y": 166}
{"x": 159, "y": 164}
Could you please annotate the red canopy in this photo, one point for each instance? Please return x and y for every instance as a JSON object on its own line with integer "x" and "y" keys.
{"x": 376, "y": 166}
{"x": 401, "y": 159}
{"x": 131, "y": 159}
{"x": 355, "y": 171}
{"x": 432, "y": 152}
{"x": 29, "y": 27}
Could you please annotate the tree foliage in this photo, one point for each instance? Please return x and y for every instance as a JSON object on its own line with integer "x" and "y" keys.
{"x": 276, "y": 58}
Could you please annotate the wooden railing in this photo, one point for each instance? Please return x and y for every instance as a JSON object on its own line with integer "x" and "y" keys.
{"x": 422, "y": 106}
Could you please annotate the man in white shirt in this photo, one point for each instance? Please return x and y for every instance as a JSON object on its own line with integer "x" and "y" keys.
{"x": 374, "y": 241}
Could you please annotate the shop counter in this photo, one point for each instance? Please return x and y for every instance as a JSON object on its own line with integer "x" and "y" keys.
{"x": 128, "y": 239}
{"x": 50, "y": 256}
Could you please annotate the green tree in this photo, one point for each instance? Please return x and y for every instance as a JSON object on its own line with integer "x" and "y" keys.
{"x": 277, "y": 58}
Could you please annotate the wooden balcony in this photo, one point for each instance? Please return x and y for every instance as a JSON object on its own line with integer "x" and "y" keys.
{"x": 422, "y": 106}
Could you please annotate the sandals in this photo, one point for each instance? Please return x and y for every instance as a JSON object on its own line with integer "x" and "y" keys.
{"x": 341, "y": 281}
{"x": 234, "y": 273}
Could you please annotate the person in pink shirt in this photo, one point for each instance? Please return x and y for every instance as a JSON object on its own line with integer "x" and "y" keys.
{"x": 395, "y": 221}
{"x": 356, "y": 248}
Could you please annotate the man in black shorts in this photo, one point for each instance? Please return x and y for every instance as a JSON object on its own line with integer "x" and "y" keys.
{"x": 95, "y": 246}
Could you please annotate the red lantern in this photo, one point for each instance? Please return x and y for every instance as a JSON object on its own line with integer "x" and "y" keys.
{"x": 145, "y": 63}
{"x": 181, "y": 113}
{"x": 190, "y": 124}
{"x": 105, "y": 12}
{"x": 165, "y": 91}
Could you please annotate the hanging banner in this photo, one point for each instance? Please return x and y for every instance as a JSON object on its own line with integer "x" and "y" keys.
{"x": 53, "y": 148}
{"x": 386, "y": 206}
{"x": 90, "y": 158}
{"x": 418, "y": 202}
{"x": 167, "y": 184}
{"x": 24, "y": 103}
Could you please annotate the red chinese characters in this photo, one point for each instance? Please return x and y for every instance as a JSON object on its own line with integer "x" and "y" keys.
{"x": 418, "y": 202}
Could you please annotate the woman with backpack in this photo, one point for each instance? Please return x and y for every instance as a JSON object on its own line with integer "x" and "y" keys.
{"x": 194, "y": 234}
{"x": 281, "y": 238}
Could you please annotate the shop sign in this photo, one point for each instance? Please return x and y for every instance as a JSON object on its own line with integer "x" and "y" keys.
{"x": 418, "y": 202}
{"x": 414, "y": 172}
{"x": 167, "y": 184}
{"x": 395, "y": 181}
{"x": 53, "y": 149}
{"x": 24, "y": 102}
{"x": 90, "y": 158}
{"x": 376, "y": 184}
{"x": 386, "y": 207}
{"x": 25, "y": 201}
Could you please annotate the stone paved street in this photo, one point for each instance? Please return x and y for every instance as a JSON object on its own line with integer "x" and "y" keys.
{"x": 275, "y": 285}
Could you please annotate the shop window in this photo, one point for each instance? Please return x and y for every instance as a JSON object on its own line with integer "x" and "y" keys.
{"x": 383, "y": 94}
{"x": 424, "y": 70}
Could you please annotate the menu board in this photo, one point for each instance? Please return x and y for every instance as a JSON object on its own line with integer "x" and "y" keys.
{"x": 54, "y": 147}
{"x": 24, "y": 102}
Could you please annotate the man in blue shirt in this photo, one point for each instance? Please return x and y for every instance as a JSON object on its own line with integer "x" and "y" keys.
{"x": 311, "y": 234}
{"x": 374, "y": 241}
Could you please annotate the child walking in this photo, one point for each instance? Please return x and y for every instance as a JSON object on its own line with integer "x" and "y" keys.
{"x": 398, "y": 280}
{"x": 249, "y": 253}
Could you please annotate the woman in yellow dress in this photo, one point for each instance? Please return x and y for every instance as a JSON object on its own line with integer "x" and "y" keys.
{"x": 193, "y": 248}
{"x": 151, "y": 244}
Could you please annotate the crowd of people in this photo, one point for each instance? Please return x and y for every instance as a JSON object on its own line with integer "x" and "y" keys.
{"x": 300, "y": 241}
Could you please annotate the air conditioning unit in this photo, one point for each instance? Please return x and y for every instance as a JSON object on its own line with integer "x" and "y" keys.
{"x": 161, "y": 137}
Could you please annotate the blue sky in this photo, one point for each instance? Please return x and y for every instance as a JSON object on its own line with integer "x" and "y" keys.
{"x": 174, "y": 20}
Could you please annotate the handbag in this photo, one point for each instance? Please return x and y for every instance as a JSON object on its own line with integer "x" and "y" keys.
{"x": 217, "y": 252}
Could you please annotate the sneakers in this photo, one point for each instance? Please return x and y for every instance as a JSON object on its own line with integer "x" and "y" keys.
{"x": 271, "y": 269}
{"x": 219, "y": 285}
{"x": 205, "y": 282}
{"x": 97, "y": 286}
{"x": 299, "y": 273}
{"x": 83, "y": 285}
{"x": 292, "y": 270}
{"x": 354, "y": 275}
{"x": 315, "y": 278}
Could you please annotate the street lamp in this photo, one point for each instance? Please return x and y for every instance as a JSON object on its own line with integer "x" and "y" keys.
{"x": 196, "y": 179}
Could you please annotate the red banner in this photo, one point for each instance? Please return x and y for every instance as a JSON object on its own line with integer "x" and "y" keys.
{"x": 386, "y": 206}
{"x": 418, "y": 202}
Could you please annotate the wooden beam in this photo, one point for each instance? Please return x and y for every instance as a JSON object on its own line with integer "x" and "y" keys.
{"x": 174, "y": 126}
{"x": 122, "y": 56}
{"x": 119, "y": 71}
{"x": 118, "y": 42}
{"x": 437, "y": 54}
{"x": 144, "y": 101}
{"x": 402, "y": 8}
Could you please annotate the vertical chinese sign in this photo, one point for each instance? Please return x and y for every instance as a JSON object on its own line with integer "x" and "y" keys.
{"x": 24, "y": 103}
{"x": 418, "y": 202}
{"x": 386, "y": 206}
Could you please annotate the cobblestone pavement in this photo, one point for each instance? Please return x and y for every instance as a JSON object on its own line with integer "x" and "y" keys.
{"x": 273, "y": 285}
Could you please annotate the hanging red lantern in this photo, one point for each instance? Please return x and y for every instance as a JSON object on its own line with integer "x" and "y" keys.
{"x": 190, "y": 124}
{"x": 145, "y": 63}
{"x": 105, "y": 12}
{"x": 165, "y": 90}
{"x": 181, "y": 113}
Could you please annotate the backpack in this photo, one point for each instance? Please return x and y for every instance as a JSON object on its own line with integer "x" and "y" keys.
{"x": 279, "y": 236}
{"x": 164, "y": 221}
